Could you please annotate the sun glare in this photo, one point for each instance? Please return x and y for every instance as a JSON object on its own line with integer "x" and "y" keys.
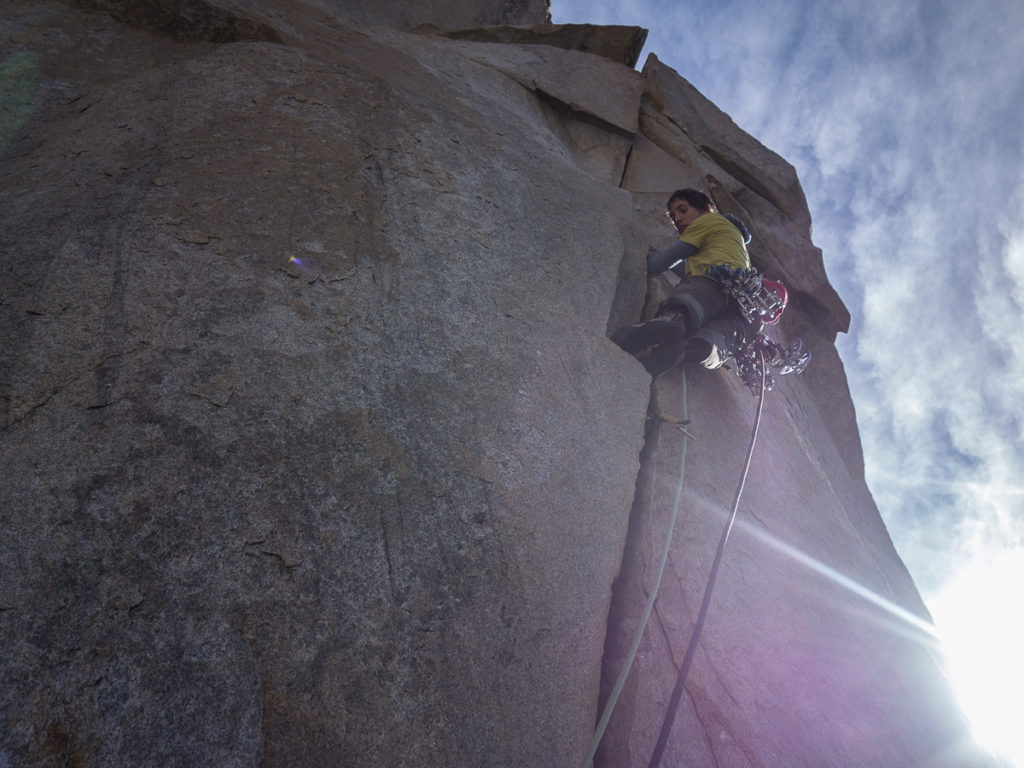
{"x": 981, "y": 624}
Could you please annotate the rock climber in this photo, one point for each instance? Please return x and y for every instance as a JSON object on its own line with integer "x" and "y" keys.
{"x": 699, "y": 322}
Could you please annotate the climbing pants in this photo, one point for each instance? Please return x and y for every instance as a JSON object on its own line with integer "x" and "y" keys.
{"x": 698, "y": 323}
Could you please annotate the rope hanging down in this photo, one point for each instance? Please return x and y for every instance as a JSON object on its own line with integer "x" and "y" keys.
{"x": 677, "y": 691}
{"x": 666, "y": 726}
{"x": 638, "y": 636}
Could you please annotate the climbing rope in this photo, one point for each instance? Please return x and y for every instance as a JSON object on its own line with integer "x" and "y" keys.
{"x": 638, "y": 636}
{"x": 677, "y": 691}
{"x": 666, "y": 726}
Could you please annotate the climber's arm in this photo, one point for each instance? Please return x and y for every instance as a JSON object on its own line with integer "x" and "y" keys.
{"x": 671, "y": 257}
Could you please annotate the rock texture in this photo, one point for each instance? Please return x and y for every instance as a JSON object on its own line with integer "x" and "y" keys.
{"x": 441, "y": 14}
{"x": 315, "y": 451}
{"x": 621, "y": 44}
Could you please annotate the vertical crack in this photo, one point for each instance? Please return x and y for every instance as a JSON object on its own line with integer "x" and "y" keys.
{"x": 625, "y": 165}
{"x": 623, "y": 611}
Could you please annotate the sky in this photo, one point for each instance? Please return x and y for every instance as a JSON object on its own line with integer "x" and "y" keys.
{"x": 904, "y": 122}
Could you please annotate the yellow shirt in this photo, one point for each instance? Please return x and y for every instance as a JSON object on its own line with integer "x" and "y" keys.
{"x": 718, "y": 241}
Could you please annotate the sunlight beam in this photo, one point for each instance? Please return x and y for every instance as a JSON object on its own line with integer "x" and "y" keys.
{"x": 837, "y": 578}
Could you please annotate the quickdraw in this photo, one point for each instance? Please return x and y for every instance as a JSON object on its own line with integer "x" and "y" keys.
{"x": 761, "y": 301}
{"x": 785, "y": 360}
{"x": 756, "y": 300}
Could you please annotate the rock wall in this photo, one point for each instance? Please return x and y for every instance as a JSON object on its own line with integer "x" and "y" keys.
{"x": 315, "y": 449}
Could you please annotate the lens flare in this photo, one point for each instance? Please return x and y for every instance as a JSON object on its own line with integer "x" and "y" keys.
{"x": 983, "y": 632}
{"x": 836, "y": 577}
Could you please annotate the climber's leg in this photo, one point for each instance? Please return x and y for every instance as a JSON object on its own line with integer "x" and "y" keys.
{"x": 716, "y": 342}
{"x": 637, "y": 338}
{"x": 666, "y": 357}
{"x": 698, "y": 299}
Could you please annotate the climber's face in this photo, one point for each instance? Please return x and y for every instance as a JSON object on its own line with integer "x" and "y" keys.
{"x": 683, "y": 214}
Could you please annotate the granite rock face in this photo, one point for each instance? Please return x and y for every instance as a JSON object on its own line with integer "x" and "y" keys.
{"x": 316, "y": 452}
{"x": 621, "y": 44}
{"x": 442, "y": 14}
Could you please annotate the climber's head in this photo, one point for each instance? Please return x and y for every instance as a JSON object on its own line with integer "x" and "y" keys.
{"x": 686, "y": 205}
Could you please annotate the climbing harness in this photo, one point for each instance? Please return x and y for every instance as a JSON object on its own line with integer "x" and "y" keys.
{"x": 678, "y": 423}
{"x": 762, "y": 301}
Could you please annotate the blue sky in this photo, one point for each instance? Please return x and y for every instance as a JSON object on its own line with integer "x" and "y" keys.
{"x": 904, "y": 123}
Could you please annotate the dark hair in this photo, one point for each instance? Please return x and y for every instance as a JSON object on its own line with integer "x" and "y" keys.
{"x": 694, "y": 197}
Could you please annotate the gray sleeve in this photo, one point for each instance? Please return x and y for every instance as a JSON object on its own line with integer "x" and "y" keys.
{"x": 669, "y": 256}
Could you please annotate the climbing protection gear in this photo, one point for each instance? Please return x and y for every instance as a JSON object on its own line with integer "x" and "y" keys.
{"x": 674, "y": 421}
{"x": 774, "y": 286}
{"x": 785, "y": 360}
{"x": 762, "y": 301}
{"x": 758, "y": 297}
